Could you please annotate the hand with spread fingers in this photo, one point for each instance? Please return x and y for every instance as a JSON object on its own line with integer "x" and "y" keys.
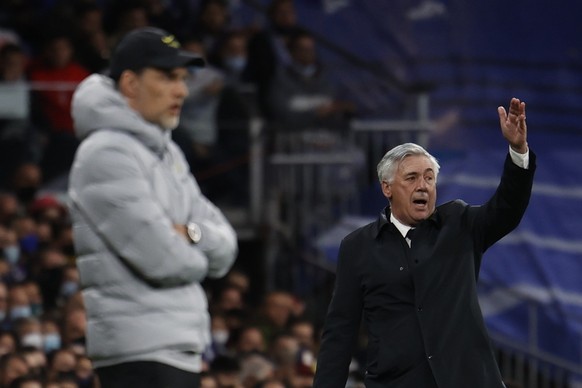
{"x": 513, "y": 125}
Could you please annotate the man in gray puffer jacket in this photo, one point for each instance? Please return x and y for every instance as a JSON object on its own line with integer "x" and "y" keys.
{"x": 144, "y": 234}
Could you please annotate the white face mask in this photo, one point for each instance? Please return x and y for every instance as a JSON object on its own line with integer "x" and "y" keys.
{"x": 33, "y": 339}
{"x": 220, "y": 337}
{"x": 17, "y": 312}
{"x": 12, "y": 254}
{"x": 51, "y": 341}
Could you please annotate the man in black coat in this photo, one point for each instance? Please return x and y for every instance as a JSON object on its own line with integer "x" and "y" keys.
{"x": 413, "y": 273}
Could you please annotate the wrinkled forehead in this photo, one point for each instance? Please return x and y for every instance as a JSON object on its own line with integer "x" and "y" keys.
{"x": 416, "y": 163}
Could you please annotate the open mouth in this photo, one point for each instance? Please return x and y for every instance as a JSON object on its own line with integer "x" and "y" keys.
{"x": 420, "y": 201}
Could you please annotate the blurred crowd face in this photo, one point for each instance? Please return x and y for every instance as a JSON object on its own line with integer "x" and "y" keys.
{"x": 304, "y": 332}
{"x": 283, "y": 14}
{"x": 91, "y": 21}
{"x": 230, "y": 299}
{"x": 133, "y": 19}
{"x": 284, "y": 350}
{"x": 8, "y": 208}
{"x": 18, "y": 303}
{"x": 278, "y": 307}
{"x": 303, "y": 51}
{"x": 15, "y": 367}
{"x": 214, "y": 16}
{"x": 12, "y": 66}
{"x": 59, "y": 52}
{"x": 251, "y": 340}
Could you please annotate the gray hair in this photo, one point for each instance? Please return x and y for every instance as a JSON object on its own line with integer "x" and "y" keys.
{"x": 389, "y": 163}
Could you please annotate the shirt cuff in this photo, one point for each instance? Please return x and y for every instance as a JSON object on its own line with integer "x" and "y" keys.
{"x": 520, "y": 160}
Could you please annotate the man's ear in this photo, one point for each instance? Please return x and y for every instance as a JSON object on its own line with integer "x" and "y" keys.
{"x": 386, "y": 189}
{"x": 128, "y": 83}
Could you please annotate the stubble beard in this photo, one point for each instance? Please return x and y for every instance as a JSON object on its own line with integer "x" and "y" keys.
{"x": 170, "y": 123}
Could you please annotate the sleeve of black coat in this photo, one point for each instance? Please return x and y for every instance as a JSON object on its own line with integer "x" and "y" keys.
{"x": 504, "y": 211}
{"x": 341, "y": 324}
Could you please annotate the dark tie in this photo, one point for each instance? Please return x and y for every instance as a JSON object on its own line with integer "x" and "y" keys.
{"x": 410, "y": 235}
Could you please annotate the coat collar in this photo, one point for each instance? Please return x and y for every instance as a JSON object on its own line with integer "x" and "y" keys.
{"x": 384, "y": 220}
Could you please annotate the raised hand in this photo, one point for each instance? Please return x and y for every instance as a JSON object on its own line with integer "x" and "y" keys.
{"x": 513, "y": 125}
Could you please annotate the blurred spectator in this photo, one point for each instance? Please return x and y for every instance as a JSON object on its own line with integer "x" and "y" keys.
{"x": 122, "y": 17}
{"x": 12, "y": 366}
{"x": 84, "y": 372}
{"x": 28, "y": 333}
{"x": 211, "y": 24}
{"x": 210, "y": 161}
{"x": 268, "y": 49}
{"x": 250, "y": 340}
{"x": 34, "y": 296}
{"x": 62, "y": 363}
{"x": 51, "y": 335}
{"x": 302, "y": 96}
{"x": 7, "y": 341}
{"x": 9, "y": 208}
{"x": 229, "y": 298}
{"x": 11, "y": 254}
{"x": 227, "y": 372}
{"x": 26, "y": 182}
{"x": 91, "y": 45}
{"x": 275, "y": 313}
{"x": 198, "y": 118}
{"x": 234, "y": 111}
{"x": 239, "y": 280}
{"x": 75, "y": 329}
{"x": 18, "y": 303}
{"x": 161, "y": 14}
{"x": 18, "y": 142}
{"x": 26, "y": 382}
{"x": 36, "y": 361}
{"x": 12, "y": 63}
{"x": 220, "y": 336}
{"x": 289, "y": 365}
{"x": 232, "y": 58}
{"x": 255, "y": 369}
{"x": 54, "y": 75}
{"x": 70, "y": 283}
{"x": 47, "y": 208}
{"x": 304, "y": 332}
{"x": 59, "y": 73}
{"x": 207, "y": 380}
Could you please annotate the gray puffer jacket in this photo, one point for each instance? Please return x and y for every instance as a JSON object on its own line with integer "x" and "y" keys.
{"x": 129, "y": 185}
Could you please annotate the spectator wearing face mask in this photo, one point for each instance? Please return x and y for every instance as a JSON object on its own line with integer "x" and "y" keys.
{"x": 302, "y": 95}
{"x": 18, "y": 303}
{"x": 51, "y": 335}
{"x": 28, "y": 332}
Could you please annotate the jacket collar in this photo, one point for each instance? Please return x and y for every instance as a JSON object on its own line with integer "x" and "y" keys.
{"x": 384, "y": 220}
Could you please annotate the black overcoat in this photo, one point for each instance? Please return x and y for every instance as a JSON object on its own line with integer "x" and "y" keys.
{"x": 419, "y": 305}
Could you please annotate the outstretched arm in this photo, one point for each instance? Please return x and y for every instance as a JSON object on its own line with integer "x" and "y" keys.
{"x": 513, "y": 125}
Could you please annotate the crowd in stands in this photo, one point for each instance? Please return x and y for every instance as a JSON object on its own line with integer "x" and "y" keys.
{"x": 50, "y": 46}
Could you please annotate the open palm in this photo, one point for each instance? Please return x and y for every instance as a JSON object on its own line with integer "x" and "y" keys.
{"x": 513, "y": 125}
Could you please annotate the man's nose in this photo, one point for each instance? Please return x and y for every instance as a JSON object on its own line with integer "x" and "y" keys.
{"x": 182, "y": 90}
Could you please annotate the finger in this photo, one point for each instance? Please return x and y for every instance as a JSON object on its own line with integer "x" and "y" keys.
{"x": 502, "y": 115}
{"x": 514, "y": 107}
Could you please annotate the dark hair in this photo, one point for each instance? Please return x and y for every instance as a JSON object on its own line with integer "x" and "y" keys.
{"x": 9, "y": 48}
